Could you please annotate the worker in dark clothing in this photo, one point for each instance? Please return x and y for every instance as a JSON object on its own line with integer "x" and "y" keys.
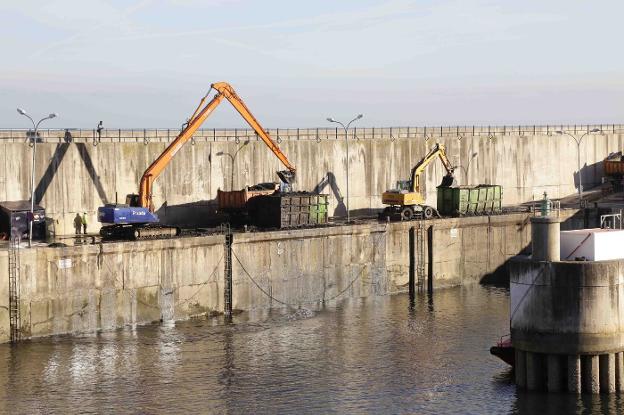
{"x": 84, "y": 222}
{"x": 78, "y": 223}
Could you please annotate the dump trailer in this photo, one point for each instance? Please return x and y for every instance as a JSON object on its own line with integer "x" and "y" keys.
{"x": 235, "y": 203}
{"x": 136, "y": 218}
{"x": 14, "y": 219}
{"x": 613, "y": 167}
{"x": 407, "y": 201}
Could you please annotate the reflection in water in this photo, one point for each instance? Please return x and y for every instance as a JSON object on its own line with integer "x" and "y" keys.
{"x": 376, "y": 355}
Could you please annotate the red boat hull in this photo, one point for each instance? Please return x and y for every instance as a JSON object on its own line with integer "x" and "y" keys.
{"x": 504, "y": 351}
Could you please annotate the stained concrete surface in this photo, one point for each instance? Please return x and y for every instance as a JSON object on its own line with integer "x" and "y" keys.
{"x": 85, "y": 288}
{"x": 73, "y": 175}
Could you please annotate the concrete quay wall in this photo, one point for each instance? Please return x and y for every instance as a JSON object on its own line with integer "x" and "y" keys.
{"x": 77, "y": 172}
{"x": 102, "y": 286}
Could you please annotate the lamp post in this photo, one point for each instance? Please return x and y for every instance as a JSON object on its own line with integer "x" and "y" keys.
{"x": 346, "y": 129}
{"x": 233, "y": 157}
{"x": 32, "y": 172}
{"x": 578, "y": 157}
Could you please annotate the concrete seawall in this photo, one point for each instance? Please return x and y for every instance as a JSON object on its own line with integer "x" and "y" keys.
{"x": 73, "y": 175}
{"x": 102, "y": 286}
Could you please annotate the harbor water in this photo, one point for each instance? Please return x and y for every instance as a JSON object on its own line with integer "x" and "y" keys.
{"x": 375, "y": 355}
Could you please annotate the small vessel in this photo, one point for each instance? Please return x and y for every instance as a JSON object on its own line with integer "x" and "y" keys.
{"x": 504, "y": 350}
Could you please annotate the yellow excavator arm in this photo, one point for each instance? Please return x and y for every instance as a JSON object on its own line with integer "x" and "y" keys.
{"x": 439, "y": 150}
{"x": 224, "y": 90}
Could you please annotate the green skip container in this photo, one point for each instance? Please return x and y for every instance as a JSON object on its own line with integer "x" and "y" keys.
{"x": 289, "y": 210}
{"x": 484, "y": 199}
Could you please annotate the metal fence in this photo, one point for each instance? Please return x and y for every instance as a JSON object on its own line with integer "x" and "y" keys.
{"x": 293, "y": 134}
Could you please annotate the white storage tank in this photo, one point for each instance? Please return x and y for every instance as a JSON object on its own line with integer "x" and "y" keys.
{"x": 592, "y": 244}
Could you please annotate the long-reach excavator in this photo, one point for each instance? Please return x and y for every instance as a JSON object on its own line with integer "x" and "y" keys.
{"x": 136, "y": 219}
{"x": 407, "y": 199}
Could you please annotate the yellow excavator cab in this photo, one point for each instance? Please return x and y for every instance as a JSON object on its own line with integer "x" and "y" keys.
{"x": 407, "y": 200}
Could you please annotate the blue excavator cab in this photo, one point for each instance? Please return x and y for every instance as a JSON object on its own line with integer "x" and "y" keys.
{"x": 131, "y": 221}
{"x": 126, "y": 214}
{"x": 112, "y": 214}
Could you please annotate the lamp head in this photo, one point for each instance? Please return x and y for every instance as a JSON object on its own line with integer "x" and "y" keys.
{"x": 220, "y": 153}
{"x": 53, "y": 115}
{"x": 21, "y": 111}
{"x": 330, "y": 119}
{"x": 559, "y": 132}
{"x": 359, "y": 116}
{"x": 595, "y": 130}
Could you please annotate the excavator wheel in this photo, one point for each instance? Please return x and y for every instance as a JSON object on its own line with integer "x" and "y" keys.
{"x": 407, "y": 213}
{"x": 428, "y": 212}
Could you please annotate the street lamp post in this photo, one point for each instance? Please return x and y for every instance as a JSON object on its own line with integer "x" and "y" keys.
{"x": 32, "y": 172}
{"x": 346, "y": 129}
{"x": 233, "y": 157}
{"x": 578, "y": 158}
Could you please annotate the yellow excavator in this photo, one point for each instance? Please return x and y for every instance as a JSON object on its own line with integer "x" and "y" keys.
{"x": 136, "y": 219}
{"x": 407, "y": 200}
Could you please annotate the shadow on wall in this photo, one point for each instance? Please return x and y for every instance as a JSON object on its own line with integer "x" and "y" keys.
{"x": 57, "y": 159}
{"x": 588, "y": 219}
{"x": 330, "y": 180}
{"x": 591, "y": 175}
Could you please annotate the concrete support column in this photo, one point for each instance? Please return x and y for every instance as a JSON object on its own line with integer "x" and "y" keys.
{"x": 545, "y": 238}
{"x": 555, "y": 373}
{"x": 589, "y": 374}
{"x": 574, "y": 374}
{"x": 520, "y": 369}
{"x": 535, "y": 371}
{"x": 619, "y": 372}
{"x": 607, "y": 373}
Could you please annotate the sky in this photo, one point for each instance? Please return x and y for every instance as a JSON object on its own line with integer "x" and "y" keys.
{"x": 147, "y": 63}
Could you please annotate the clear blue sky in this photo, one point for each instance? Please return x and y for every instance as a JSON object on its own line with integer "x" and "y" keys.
{"x": 146, "y": 63}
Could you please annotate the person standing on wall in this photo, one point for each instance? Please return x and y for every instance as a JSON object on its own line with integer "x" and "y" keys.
{"x": 84, "y": 223}
{"x": 77, "y": 223}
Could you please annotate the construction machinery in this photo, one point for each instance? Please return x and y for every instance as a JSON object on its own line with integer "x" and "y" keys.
{"x": 613, "y": 168}
{"x": 136, "y": 218}
{"x": 407, "y": 201}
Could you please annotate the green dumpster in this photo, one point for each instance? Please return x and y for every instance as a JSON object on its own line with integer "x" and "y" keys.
{"x": 483, "y": 199}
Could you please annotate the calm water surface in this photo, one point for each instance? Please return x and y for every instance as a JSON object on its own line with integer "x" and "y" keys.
{"x": 377, "y": 355}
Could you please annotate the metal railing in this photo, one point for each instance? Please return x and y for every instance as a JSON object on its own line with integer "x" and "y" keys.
{"x": 147, "y": 135}
{"x": 554, "y": 210}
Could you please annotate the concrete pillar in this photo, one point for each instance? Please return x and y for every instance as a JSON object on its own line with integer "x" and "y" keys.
{"x": 535, "y": 371}
{"x": 520, "y": 369}
{"x": 574, "y": 374}
{"x": 619, "y": 372}
{"x": 545, "y": 238}
{"x": 589, "y": 374}
{"x": 607, "y": 373}
{"x": 555, "y": 373}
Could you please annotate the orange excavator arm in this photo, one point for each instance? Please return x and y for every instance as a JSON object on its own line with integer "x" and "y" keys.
{"x": 224, "y": 90}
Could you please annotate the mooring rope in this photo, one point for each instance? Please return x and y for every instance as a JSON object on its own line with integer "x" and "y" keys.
{"x": 320, "y": 299}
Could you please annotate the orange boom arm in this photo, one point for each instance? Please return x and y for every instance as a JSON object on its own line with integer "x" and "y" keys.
{"x": 224, "y": 90}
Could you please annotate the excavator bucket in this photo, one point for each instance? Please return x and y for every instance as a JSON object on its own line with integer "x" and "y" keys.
{"x": 449, "y": 181}
{"x": 286, "y": 176}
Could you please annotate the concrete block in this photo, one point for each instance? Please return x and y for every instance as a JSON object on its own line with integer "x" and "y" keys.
{"x": 520, "y": 369}
{"x": 607, "y": 373}
{"x": 574, "y": 374}
{"x": 555, "y": 379}
{"x": 619, "y": 371}
{"x": 590, "y": 370}
{"x": 535, "y": 371}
